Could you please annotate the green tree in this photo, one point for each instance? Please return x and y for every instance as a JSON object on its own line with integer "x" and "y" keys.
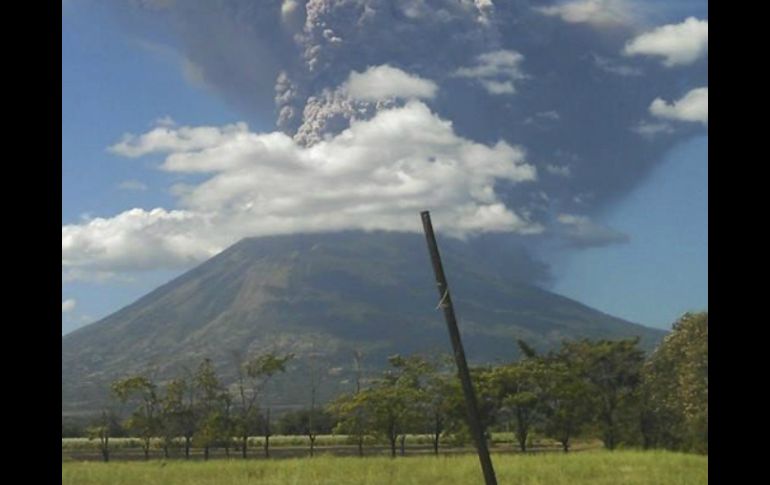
{"x": 267, "y": 431}
{"x": 388, "y": 408}
{"x": 296, "y": 422}
{"x": 566, "y": 402}
{"x": 660, "y": 424}
{"x": 516, "y": 396}
{"x": 674, "y": 390}
{"x": 390, "y": 405}
{"x": 456, "y": 419}
{"x": 171, "y": 414}
{"x": 212, "y": 406}
{"x": 349, "y": 412}
{"x": 186, "y": 416}
{"x": 104, "y": 427}
{"x": 430, "y": 382}
{"x": 437, "y": 406}
{"x": 253, "y": 376}
{"x": 311, "y": 424}
{"x": 144, "y": 421}
{"x": 408, "y": 398}
{"x": 612, "y": 371}
{"x": 527, "y": 351}
{"x": 409, "y": 377}
{"x": 358, "y": 412}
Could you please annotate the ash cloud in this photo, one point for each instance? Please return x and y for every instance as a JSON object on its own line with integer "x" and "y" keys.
{"x": 286, "y": 58}
{"x": 581, "y": 232}
{"x": 498, "y": 65}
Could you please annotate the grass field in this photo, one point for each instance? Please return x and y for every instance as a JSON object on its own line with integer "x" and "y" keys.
{"x": 591, "y": 467}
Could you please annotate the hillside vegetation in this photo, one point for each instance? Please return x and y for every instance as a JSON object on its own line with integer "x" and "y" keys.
{"x": 324, "y": 297}
{"x": 605, "y": 389}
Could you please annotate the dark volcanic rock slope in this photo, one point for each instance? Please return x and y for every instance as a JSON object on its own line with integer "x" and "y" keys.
{"x": 322, "y": 296}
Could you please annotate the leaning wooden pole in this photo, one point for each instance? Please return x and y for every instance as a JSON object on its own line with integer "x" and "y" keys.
{"x": 445, "y": 302}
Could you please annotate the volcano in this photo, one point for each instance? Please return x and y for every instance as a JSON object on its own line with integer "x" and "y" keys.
{"x": 323, "y": 297}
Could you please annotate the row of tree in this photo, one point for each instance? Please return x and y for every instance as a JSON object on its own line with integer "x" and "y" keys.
{"x": 196, "y": 408}
{"x": 606, "y": 389}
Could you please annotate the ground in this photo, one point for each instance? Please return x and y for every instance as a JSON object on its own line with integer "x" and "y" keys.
{"x": 588, "y": 467}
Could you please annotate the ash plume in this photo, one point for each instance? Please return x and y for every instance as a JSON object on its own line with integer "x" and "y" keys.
{"x": 556, "y": 81}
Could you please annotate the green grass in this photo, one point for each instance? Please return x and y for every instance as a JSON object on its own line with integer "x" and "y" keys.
{"x": 595, "y": 468}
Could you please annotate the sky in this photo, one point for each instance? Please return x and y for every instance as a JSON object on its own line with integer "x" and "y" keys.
{"x": 662, "y": 271}
{"x": 577, "y": 129}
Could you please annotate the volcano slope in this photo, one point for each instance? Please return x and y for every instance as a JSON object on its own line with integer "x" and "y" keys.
{"x": 322, "y": 297}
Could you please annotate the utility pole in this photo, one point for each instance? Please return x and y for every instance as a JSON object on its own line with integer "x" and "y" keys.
{"x": 445, "y": 302}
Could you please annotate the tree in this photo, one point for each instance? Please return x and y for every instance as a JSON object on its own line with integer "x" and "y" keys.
{"x": 311, "y": 426}
{"x": 516, "y": 393}
{"x": 185, "y": 417}
{"x": 528, "y": 351}
{"x": 409, "y": 397}
{"x": 612, "y": 372}
{"x": 350, "y": 412}
{"x": 267, "y": 432}
{"x": 659, "y": 421}
{"x": 212, "y": 408}
{"x": 456, "y": 422}
{"x": 674, "y": 389}
{"x": 296, "y": 422}
{"x": 105, "y": 426}
{"x": 143, "y": 421}
{"x": 391, "y": 405}
{"x": 388, "y": 407}
{"x": 227, "y": 424}
{"x": 409, "y": 376}
{"x": 565, "y": 402}
{"x": 253, "y": 376}
{"x": 430, "y": 384}
{"x": 210, "y": 428}
{"x": 437, "y": 406}
{"x": 172, "y": 415}
{"x": 358, "y": 412}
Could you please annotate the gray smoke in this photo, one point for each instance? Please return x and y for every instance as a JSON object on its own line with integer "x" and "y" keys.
{"x": 506, "y": 70}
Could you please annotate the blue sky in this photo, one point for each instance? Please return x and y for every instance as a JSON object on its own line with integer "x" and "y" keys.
{"x": 112, "y": 84}
{"x": 129, "y": 72}
{"x": 663, "y": 270}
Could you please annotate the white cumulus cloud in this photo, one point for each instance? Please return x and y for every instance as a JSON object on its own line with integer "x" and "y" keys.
{"x": 68, "y": 305}
{"x": 380, "y": 82}
{"x": 377, "y": 174}
{"x": 650, "y": 130}
{"x": 694, "y": 107}
{"x": 594, "y": 12}
{"x": 561, "y": 170}
{"x": 166, "y": 138}
{"x": 291, "y": 14}
{"x": 678, "y": 44}
{"x": 581, "y": 232}
{"x": 495, "y": 71}
{"x": 137, "y": 239}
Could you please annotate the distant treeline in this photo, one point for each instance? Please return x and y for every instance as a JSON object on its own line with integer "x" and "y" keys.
{"x": 605, "y": 389}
